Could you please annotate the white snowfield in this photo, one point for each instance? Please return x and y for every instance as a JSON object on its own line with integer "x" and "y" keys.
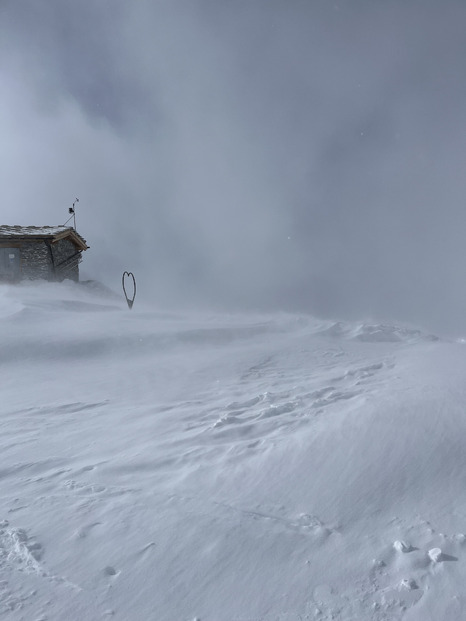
{"x": 225, "y": 468}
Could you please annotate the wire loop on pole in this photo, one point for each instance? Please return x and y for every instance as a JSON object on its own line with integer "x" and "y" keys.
{"x": 129, "y": 300}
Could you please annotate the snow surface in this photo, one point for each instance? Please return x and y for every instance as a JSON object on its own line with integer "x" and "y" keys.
{"x": 225, "y": 468}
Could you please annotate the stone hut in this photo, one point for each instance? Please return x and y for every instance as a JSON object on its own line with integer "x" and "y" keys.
{"x": 33, "y": 252}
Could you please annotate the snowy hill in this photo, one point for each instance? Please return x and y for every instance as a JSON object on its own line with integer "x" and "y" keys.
{"x": 225, "y": 468}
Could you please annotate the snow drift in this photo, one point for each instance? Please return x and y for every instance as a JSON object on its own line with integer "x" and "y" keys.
{"x": 225, "y": 467}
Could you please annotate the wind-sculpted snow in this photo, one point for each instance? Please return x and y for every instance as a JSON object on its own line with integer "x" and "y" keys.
{"x": 225, "y": 467}
{"x": 378, "y": 333}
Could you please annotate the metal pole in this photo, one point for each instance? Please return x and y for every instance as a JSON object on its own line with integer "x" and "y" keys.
{"x": 74, "y": 213}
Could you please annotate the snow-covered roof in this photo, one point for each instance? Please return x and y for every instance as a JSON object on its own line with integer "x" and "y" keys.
{"x": 39, "y": 232}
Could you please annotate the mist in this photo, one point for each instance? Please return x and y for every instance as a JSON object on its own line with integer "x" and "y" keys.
{"x": 298, "y": 156}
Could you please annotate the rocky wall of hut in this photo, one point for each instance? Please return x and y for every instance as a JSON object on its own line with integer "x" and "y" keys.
{"x": 65, "y": 260}
{"x": 36, "y": 261}
{"x": 49, "y": 261}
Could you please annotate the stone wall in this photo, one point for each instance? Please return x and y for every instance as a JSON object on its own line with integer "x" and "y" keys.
{"x": 49, "y": 261}
{"x": 36, "y": 261}
{"x": 64, "y": 250}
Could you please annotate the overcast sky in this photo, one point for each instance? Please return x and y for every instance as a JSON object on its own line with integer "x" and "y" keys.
{"x": 297, "y": 155}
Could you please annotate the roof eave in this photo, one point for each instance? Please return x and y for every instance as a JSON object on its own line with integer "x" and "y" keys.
{"x": 76, "y": 238}
{"x": 70, "y": 233}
